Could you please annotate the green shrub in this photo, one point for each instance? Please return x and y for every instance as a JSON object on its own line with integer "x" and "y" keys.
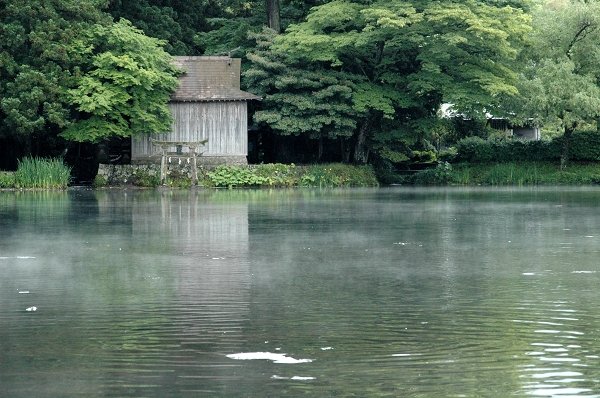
{"x": 584, "y": 146}
{"x": 42, "y": 173}
{"x": 100, "y": 181}
{"x": 448, "y": 154}
{"x": 235, "y": 176}
{"x": 338, "y": 175}
{"x": 282, "y": 175}
{"x": 278, "y": 174}
{"x": 7, "y": 179}
{"x": 143, "y": 178}
{"x": 440, "y": 175}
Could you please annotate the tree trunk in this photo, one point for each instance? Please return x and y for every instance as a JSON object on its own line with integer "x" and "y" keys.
{"x": 345, "y": 151}
{"x": 320, "y": 149}
{"x": 273, "y": 16}
{"x": 361, "y": 153}
{"x": 564, "y": 155}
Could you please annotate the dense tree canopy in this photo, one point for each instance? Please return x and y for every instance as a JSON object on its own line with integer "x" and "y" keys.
{"x": 370, "y": 74}
{"x": 561, "y": 68}
{"x": 124, "y": 86}
{"x": 67, "y": 69}
{"x": 37, "y": 60}
{"x": 404, "y": 60}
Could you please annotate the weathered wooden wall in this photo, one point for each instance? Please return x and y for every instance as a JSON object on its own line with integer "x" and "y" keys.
{"x": 223, "y": 123}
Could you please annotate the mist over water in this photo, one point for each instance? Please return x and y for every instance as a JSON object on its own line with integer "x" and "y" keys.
{"x": 367, "y": 292}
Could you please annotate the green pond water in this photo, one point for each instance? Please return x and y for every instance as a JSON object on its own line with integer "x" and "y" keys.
{"x": 368, "y": 293}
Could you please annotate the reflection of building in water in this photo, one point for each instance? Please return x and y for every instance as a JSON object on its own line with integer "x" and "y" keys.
{"x": 208, "y": 248}
{"x": 195, "y": 252}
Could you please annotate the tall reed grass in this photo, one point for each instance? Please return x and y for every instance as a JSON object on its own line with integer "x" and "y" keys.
{"x": 40, "y": 173}
{"x": 520, "y": 173}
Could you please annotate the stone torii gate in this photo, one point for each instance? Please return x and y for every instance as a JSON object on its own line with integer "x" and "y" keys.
{"x": 189, "y": 156}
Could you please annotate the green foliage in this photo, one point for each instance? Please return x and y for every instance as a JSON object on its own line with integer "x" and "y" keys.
{"x": 558, "y": 85}
{"x": 281, "y": 175}
{"x": 144, "y": 178}
{"x": 125, "y": 88}
{"x": 100, "y": 181}
{"x": 277, "y": 174}
{"x": 39, "y": 52}
{"x": 175, "y": 22}
{"x": 235, "y": 176}
{"x": 7, "y": 179}
{"x": 68, "y": 69}
{"x": 525, "y": 173}
{"x": 42, "y": 173}
{"x": 440, "y": 175}
{"x": 298, "y": 98}
{"x": 338, "y": 175}
{"x": 584, "y": 146}
{"x": 401, "y": 61}
{"x": 448, "y": 154}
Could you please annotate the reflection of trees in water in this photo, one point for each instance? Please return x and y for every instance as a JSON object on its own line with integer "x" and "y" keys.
{"x": 136, "y": 284}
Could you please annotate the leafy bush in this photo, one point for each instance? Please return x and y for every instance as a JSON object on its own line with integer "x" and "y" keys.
{"x": 338, "y": 175}
{"x": 474, "y": 150}
{"x": 42, "y": 173}
{"x": 448, "y": 154}
{"x": 278, "y": 174}
{"x": 100, "y": 181}
{"x": 143, "y": 178}
{"x": 282, "y": 175}
{"x": 7, "y": 179}
{"x": 440, "y": 175}
{"x": 236, "y": 176}
{"x": 584, "y": 146}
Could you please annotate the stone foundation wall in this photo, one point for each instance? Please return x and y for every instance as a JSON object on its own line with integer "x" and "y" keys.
{"x": 148, "y": 173}
{"x": 209, "y": 162}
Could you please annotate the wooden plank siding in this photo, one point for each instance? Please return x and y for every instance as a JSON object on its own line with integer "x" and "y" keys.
{"x": 223, "y": 123}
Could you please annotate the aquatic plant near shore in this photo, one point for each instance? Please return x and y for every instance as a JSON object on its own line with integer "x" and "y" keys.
{"x": 40, "y": 173}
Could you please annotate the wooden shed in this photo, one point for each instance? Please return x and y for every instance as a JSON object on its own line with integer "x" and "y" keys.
{"x": 207, "y": 105}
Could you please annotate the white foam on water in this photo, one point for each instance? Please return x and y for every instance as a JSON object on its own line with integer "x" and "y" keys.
{"x": 583, "y": 272}
{"x": 556, "y": 349}
{"x": 16, "y": 257}
{"x": 405, "y": 355}
{"x": 548, "y": 375}
{"x": 528, "y": 273}
{"x": 557, "y": 392}
{"x": 326, "y": 348}
{"x": 556, "y": 359}
{"x": 301, "y": 378}
{"x": 271, "y": 356}
{"x": 547, "y": 344}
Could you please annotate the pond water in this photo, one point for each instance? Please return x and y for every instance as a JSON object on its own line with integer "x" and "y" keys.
{"x": 376, "y": 292}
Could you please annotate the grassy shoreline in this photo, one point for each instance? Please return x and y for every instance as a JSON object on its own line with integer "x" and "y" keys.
{"x": 48, "y": 175}
{"x": 511, "y": 173}
{"x": 37, "y": 173}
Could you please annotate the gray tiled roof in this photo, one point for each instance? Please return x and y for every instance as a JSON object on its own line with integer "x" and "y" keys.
{"x": 210, "y": 79}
